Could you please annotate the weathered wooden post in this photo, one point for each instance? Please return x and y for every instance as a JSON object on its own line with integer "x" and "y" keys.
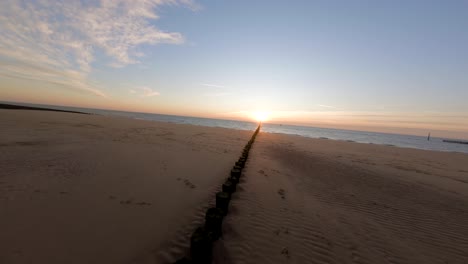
{"x": 222, "y": 201}
{"x": 236, "y": 172}
{"x": 183, "y": 261}
{"x": 234, "y": 179}
{"x": 201, "y": 244}
{"x": 214, "y": 222}
{"x": 229, "y": 186}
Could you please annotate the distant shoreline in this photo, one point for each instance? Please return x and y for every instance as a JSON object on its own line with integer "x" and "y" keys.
{"x": 21, "y": 107}
{"x": 397, "y": 140}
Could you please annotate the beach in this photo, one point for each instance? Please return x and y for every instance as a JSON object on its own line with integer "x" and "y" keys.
{"x": 96, "y": 189}
{"x": 305, "y": 200}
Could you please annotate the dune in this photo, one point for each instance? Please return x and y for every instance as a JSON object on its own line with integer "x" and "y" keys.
{"x": 95, "y": 189}
{"x": 305, "y": 200}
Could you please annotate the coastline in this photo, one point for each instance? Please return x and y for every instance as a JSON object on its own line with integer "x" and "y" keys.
{"x": 368, "y": 143}
{"x": 364, "y": 137}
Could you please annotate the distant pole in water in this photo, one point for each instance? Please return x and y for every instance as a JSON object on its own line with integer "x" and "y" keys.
{"x": 429, "y": 136}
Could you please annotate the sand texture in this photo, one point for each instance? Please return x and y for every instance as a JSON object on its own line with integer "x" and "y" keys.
{"x": 322, "y": 201}
{"x": 93, "y": 189}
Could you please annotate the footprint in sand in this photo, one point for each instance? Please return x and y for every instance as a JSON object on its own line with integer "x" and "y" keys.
{"x": 281, "y": 192}
{"x": 187, "y": 183}
{"x": 143, "y": 203}
{"x": 285, "y": 252}
{"x": 130, "y": 201}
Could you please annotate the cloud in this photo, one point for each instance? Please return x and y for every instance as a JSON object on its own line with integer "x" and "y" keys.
{"x": 327, "y": 106}
{"x": 144, "y": 91}
{"x": 212, "y": 85}
{"x": 219, "y": 91}
{"x": 58, "y": 41}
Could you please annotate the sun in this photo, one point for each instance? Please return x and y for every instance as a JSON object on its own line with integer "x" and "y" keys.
{"x": 261, "y": 116}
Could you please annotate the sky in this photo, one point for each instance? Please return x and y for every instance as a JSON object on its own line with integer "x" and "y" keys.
{"x": 388, "y": 66}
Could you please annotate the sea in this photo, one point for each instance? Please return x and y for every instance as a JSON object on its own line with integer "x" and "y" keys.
{"x": 405, "y": 141}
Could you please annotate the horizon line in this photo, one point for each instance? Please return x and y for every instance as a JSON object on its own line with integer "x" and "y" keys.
{"x": 295, "y": 124}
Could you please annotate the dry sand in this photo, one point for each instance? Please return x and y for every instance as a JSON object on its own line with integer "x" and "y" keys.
{"x": 321, "y": 201}
{"x": 92, "y": 189}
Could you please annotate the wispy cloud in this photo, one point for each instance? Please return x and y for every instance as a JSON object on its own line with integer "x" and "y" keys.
{"x": 327, "y": 106}
{"x": 58, "y": 41}
{"x": 212, "y": 85}
{"x": 144, "y": 91}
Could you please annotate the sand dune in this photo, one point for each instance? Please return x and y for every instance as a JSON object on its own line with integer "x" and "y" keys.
{"x": 93, "y": 189}
{"x": 321, "y": 201}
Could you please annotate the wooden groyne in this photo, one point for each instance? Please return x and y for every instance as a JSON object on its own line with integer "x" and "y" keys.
{"x": 455, "y": 141}
{"x": 202, "y": 239}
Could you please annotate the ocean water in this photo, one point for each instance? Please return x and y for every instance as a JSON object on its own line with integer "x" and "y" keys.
{"x": 406, "y": 141}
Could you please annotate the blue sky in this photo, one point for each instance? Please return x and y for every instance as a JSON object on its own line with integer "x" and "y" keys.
{"x": 395, "y": 66}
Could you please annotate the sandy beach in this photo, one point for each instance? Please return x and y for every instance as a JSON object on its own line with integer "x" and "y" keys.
{"x": 94, "y": 189}
{"x": 305, "y": 200}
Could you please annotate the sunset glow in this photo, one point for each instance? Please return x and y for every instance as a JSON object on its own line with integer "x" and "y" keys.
{"x": 176, "y": 57}
{"x": 261, "y": 116}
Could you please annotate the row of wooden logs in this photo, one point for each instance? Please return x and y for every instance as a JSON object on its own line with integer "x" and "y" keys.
{"x": 202, "y": 239}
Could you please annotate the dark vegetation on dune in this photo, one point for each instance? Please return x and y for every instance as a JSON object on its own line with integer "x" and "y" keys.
{"x": 21, "y": 107}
